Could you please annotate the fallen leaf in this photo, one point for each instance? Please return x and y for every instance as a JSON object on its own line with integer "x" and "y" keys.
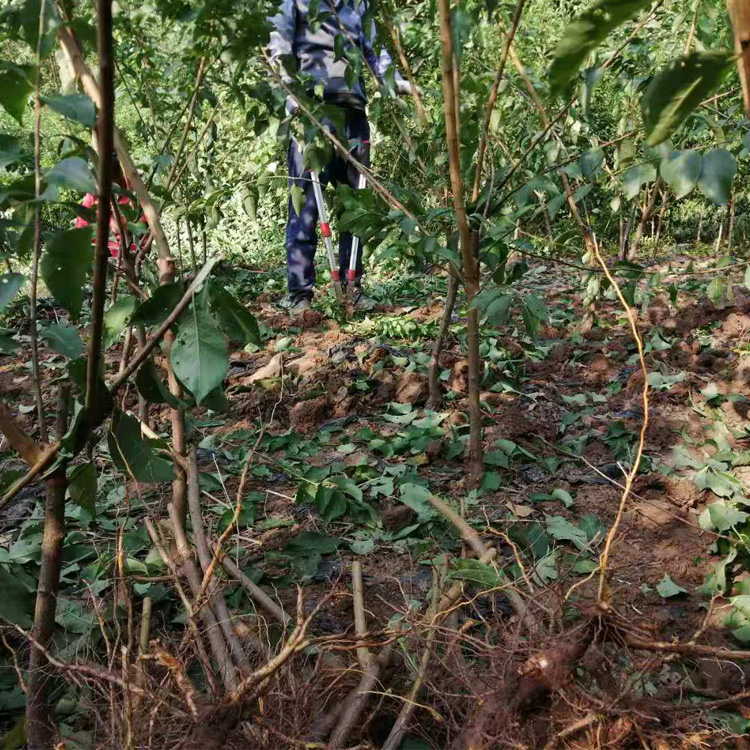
{"x": 271, "y": 370}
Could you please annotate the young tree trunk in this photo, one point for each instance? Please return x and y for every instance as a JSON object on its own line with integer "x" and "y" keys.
{"x": 646, "y": 213}
{"x": 739, "y": 13}
{"x": 548, "y": 225}
{"x": 467, "y": 239}
{"x": 105, "y": 144}
{"x": 191, "y": 242}
{"x": 660, "y": 222}
{"x": 179, "y": 485}
{"x": 700, "y": 228}
{"x": 584, "y": 226}
{"x": 730, "y": 227}
{"x": 37, "y": 232}
{"x": 436, "y": 396}
{"x": 626, "y": 235}
{"x": 204, "y": 242}
{"x": 143, "y": 408}
{"x": 719, "y": 237}
{"x": 39, "y": 727}
{"x": 492, "y": 97}
{"x": 476, "y": 457}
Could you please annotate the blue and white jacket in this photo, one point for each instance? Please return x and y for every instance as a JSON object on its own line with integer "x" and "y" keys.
{"x": 309, "y": 36}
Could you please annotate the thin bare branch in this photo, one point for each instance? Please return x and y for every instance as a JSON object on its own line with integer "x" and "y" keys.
{"x": 493, "y": 98}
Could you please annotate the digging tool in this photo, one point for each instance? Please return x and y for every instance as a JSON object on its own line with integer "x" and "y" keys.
{"x": 325, "y": 230}
{"x": 354, "y": 254}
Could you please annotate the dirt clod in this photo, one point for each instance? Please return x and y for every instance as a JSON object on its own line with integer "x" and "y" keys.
{"x": 305, "y": 416}
{"x": 412, "y": 388}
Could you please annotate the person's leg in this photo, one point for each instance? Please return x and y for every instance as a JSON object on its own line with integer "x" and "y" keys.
{"x": 357, "y": 131}
{"x": 301, "y": 231}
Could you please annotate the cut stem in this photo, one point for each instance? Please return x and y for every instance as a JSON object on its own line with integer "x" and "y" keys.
{"x": 105, "y": 144}
{"x": 37, "y": 231}
{"x": 436, "y": 396}
{"x": 218, "y": 603}
{"x": 39, "y": 725}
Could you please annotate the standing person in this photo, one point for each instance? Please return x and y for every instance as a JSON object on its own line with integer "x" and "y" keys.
{"x": 314, "y": 44}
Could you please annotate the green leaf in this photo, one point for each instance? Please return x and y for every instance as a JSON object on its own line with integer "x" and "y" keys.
{"x": 199, "y": 353}
{"x": 65, "y": 265}
{"x": 719, "y": 169}
{"x": 297, "y": 194}
{"x": 563, "y": 530}
{"x": 533, "y": 313}
{"x": 245, "y": 519}
{"x": 716, "y": 583}
{"x": 151, "y": 387}
{"x": 461, "y": 23}
{"x": 78, "y": 107}
{"x": 26, "y": 17}
{"x": 584, "y": 566}
{"x": 742, "y": 604}
{"x": 715, "y": 290}
{"x": 583, "y": 35}
{"x": 73, "y": 173}
{"x": 497, "y": 311}
{"x": 82, "y": 487}
{"x": 116, "y": 318}
{"x": 10, "y": 283}
{"x": 8, "y": 344}
{"x": 582, "y": 192}
{"x": 10, "y": 149}
{"x": 363, "y": 547}
{"x": 249, "y": 201}
{"x": 491, "y": 481}
{"x": 63, "y": 339}
{"x": 308, "y": 542}
{"x": 721, "y": 517}
{"x": 664, "y": 382}
{"x": 476, "y": 572}
{"x": 331, "y": 503}
{"x": 417, "y": 498}
{"x": 667, "y": 588}
{"x": 496, "y": 458}
{"x": 236, "y": 322}
{"x": 591, "y": 78}
{"x": 725, "y": 484}
{"x": 564, "y": 497}
{"x": 16, "y": 85}
{"x": 578, "y": 400}
{"x": 133, "y": 455}
{"x": 635, "y": 177}
{"x": 17, "y": 602}
{"x": 16, "y": 737}
{"x": 412, "y": 743}
{"x": 681, "y": 170}
{"x": 156, "y": 309}
{"x": 678, "y": 89}
{"x": 536, "y": 307}
{"x": 216, "y": 401}
{"x": 592, "y": 527}
{"x": 545, "y": 569}
{"x": 591, "y": 162}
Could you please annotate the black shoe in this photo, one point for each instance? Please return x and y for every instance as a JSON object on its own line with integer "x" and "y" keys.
{"x": 297, "y": 302}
